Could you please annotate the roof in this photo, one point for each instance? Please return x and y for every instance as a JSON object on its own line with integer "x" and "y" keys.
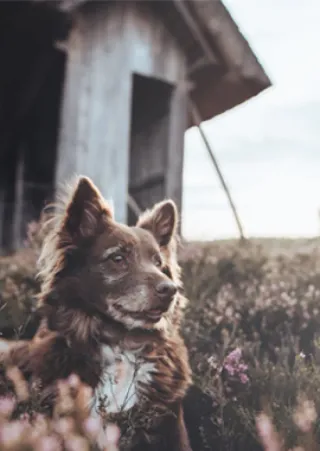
{"x": 230, "y": 72}
{"x": 224, "y": 70}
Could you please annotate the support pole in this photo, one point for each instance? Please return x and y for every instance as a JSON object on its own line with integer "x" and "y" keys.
{"x": 197, "y": 121}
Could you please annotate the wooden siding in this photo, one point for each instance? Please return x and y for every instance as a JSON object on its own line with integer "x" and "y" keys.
{"x": 178, "y": 121}
{"x": 108, "y": 44}
{"x": 95, "y": 121}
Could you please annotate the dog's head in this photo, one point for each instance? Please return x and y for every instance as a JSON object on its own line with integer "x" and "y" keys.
{"x": 94, "y": 265}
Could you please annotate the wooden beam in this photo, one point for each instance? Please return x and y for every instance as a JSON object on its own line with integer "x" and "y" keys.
{"x": 7, "y": 181}
{"x": 175, "y": 151}
{"x": 147, "y": 182}
{"x": 195, "y": 30}
{"x": 134, "y": 207}
{"x": 196, "y": 117}
{"x": 2, "y": 209}
{"x": 19, "y": 201}
{"x": 95, "y": 121}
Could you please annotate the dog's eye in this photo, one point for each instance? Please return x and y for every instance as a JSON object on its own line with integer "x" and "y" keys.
{"x": 157, "y": 261}
{"x": 117, "y": 258}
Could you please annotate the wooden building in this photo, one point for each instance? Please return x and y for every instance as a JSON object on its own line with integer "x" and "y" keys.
{"x": 101, "y": 88}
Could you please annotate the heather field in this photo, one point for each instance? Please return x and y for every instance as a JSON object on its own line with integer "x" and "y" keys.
{"x": 252, "y": 328}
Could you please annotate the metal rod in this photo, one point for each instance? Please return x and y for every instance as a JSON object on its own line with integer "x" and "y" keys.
{"x": 197, "y": 121}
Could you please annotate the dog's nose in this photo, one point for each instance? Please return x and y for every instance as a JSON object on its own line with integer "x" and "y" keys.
{"x": 166, "y": 290}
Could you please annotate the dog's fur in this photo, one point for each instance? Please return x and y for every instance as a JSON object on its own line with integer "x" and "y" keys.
{"x": 111, "y": 302}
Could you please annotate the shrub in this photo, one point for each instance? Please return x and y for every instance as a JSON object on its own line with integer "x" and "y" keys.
{"x": 18, "y": 290}
{"x": 266, "y": 303}
{"x": 251, "y": 326}
{"x": 71, "y": 428}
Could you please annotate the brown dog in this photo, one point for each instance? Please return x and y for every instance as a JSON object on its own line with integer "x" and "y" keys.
{"x": 111, "y": 312}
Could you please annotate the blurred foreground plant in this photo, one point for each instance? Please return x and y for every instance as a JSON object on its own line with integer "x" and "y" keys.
{"x": 71, "y": 427}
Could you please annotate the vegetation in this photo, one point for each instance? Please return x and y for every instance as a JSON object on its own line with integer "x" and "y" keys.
{"x": 71, "y": 428}
{"x": 252, "y": 327}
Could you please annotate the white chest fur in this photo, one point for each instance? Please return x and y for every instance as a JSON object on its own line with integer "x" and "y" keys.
{"x": 123, "y": 374}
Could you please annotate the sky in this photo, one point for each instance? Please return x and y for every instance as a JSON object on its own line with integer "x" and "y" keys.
{"x": 269, "y": 147}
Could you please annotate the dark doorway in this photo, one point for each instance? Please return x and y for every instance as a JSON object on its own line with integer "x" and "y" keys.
{"x": 149, "y": 141}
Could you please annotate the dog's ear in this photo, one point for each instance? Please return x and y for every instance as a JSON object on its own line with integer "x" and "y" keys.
{"x": 85, "y": 211}
{"x": 161, "y": 221}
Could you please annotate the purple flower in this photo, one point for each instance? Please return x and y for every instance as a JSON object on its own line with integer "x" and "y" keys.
{"x": 7, "y": 405}
{"x": 234, "y": 356}
{"x": 93, "y": 426}
{"x": 48, "y": 444}
{"x": 112, "y": 434}
{"x": 11, "y": 432}
{"x": 244, "y": 378}
{"x": 229, "y": 369}
{"x": 233, "y": 367}
{"x": 242, "y": 367}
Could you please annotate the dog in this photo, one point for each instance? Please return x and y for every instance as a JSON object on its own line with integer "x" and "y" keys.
{"x": 111, "y": 307}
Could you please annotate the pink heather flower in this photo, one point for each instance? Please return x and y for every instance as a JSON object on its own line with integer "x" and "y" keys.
{"x": 64, "y": 426}
{"x": 48, "y": 443}
{"x": 242, "y": 367}
{"x": 305, "y": 415}
{"x": 234, "y": 356}
{"x": 39, "y": 425}
{"x": 10, "y": 432}
{"x": 233, "y": 366}
{"x": 112, "y": 434}
{"x": 267, "y": 433}
{"x": 76, "y": 443}
{"x": 7, "y": 404}
{"x": 229, "y": 369}
{"x": 244, "y": 378}
{"x": 92, "y": 426}
{"x": 264, "y": 426}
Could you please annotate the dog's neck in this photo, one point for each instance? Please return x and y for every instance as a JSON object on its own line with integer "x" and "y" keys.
{"x": 83, "y": 329}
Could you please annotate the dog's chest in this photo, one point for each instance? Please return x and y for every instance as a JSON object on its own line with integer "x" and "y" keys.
{"x": 124, "y": 374}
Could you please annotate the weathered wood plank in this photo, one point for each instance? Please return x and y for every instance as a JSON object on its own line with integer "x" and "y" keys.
{"x": 177, "y": 127}
{"x": 95, "y": 125}
{"x": 2, "y": 209}
{"x": 108, "y": 44}
{"x": 154, "y": 51}
{"x": 18, "y": 201}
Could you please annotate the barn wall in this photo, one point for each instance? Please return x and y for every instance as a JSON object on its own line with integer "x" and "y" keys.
{"x": 158, "y": 114}
{"x": 108, "y": 44}
{"x": 30, "y": 80}
{"x": 153, "y": 51}
{"x": 95, "y": 120}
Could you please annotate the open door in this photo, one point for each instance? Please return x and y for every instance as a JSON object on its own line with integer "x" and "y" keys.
{"x": 150, "y": 119}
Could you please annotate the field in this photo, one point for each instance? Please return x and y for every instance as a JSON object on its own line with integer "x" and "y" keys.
{"x": 252, "y": 328}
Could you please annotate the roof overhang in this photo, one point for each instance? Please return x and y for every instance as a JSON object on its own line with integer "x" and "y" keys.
{"x": 228, "y": 73}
